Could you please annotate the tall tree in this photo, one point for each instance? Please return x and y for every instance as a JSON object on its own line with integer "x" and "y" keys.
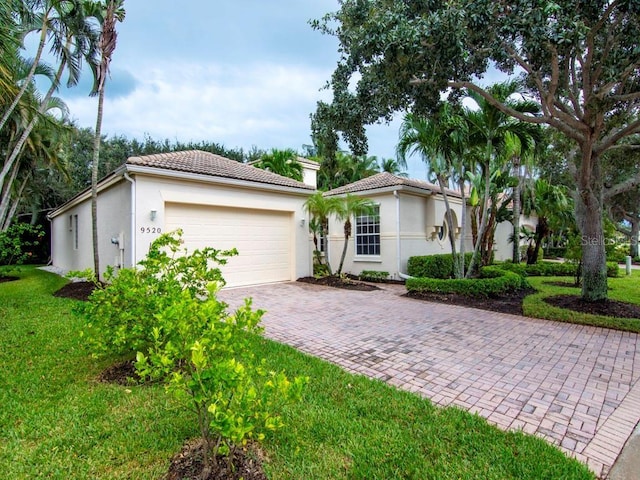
{"x": 72, "y": 40}
{"x": 579, "y": 60}
{"x": 106, "y": 46}
{"x": 440, "y": 142}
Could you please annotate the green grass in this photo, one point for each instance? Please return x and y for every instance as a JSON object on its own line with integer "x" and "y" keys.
{"x": 623, "y": 288}
{"x": 57, "y": 422}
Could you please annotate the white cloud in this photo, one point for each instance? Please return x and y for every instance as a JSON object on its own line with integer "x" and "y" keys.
{"x": 257, "y": 104}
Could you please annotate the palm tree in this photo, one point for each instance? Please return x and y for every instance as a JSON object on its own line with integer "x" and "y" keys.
{"x": 488, "y": 130}
{"x": 282, "y": 162}
{"x": 551, "y": 205}
{"x": 106, "y": 47}
{"x": 349, "y": 206}
{"x": 319, "y": 209}
{"x": 393, "y": 166}
{"x": 73, "y": 39}
{"x": 441, "y": 143}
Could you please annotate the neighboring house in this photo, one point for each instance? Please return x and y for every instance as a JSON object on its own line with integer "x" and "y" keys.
{"x": 410, "y": 220}
{"x": 217, "y": 202}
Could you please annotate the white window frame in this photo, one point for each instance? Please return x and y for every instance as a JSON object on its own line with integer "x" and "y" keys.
{"x": 372, "y": 227}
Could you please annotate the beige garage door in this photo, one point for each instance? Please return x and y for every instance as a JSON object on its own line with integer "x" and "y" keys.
{"x": 262, "y": 238}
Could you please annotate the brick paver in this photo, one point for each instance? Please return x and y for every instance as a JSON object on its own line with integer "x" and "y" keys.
{"x": 573, "y": 385}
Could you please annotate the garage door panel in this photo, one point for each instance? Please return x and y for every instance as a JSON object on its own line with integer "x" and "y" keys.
{"x": 263, "y": 239}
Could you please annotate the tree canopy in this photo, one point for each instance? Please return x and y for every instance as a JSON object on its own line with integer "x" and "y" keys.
{"x": 578, "y": 59}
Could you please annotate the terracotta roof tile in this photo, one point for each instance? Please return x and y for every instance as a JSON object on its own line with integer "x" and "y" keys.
{"x": 205, "y": 163}
{"x": 385, "y": 180}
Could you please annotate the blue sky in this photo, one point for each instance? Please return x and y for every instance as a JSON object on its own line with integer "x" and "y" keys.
{"x": 239, "y": 73}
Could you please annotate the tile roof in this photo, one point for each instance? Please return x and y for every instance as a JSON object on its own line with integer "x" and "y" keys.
{"x": 205, "y": 163}
{"x": 386, "y": 180}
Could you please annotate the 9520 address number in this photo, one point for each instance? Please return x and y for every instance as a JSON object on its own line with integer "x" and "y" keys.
{"x": 150, "y": 230}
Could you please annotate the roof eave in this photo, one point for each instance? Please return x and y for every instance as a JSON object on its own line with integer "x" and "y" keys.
{"x": 206, "y": 178}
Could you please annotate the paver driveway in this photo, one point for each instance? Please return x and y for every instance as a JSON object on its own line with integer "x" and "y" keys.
{"x": 576, "y": 386}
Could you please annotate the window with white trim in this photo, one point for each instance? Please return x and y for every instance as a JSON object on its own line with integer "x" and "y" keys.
{"x": 368, "y": 233}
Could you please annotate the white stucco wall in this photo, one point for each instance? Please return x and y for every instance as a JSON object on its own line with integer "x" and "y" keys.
{"x": 153, "y": 193}
{"x": 419, "y": 217}
{"x": 502, "y": 247}
{"x": 114, "y": 204}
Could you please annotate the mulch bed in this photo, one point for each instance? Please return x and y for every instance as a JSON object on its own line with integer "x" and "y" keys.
{"x": 337, "y": 282}
{"x": 511, "y": 303}
{"x": 188, "y": 463}
{"x": 8, "y": 279}
{"x": 122, "y": 373}
{"x": 609, "y": 308}
{"x": 562, "y": 284}
{"x": 76, "y": 290}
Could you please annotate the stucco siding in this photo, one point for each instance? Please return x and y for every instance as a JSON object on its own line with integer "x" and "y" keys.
{"x": 71, "y": 233}
{"x": 154, "y": 193}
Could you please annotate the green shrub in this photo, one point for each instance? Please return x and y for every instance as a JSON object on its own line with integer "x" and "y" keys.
{"x": 541, "y": 269}
{"x": 121, "y": 316}
{"x": 18, "y": 242}
{"x": 373, "y": 275}
{"x": 168, "y": 314}
{"x": 493, "y": 282}
{"x": 555, "y": 252}
{"x": 434, "y": 266}
{"x": 613, "y": 269}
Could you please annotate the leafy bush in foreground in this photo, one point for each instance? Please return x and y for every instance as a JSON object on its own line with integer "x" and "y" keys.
{"x": 494, "y": 281}
{"x": 121, "y": 316}
{"x": 168, "y": 311}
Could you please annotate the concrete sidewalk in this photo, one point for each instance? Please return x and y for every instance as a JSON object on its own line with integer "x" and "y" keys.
{"x": 575, "y": 386}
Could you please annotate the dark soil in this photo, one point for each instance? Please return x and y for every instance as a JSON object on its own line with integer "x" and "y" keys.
{"x": 76, "y": 290}
{"x": 561, "y": 283}
{"x": 188, "y": 464}
{"x": 338, "y": 282}
{"x": 375, "y": 280}
{"x": 8, "y": 279}
{"x": 123, "y": 373}
{"x": 609, "y": 308}
{"x": 511, "y": 303}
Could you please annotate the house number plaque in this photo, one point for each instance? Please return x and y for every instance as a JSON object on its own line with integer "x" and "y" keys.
{"x": 150, "y": 230}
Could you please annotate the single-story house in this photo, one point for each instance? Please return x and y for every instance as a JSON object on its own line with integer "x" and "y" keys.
{"x": 409, "y": 220}
{"x": 221, "y": 203}
{"x": 216, "y": 201}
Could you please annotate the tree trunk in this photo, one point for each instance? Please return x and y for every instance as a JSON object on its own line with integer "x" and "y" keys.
{"x": 451, "y": 228}
{"x": 347, "y": 234}
{"x": 588, "y": 208}
{"x": 484, "y": 221}
{"x": 463, "y": 227}
{"x": 515, "y": 257}
{"x": 542, "y": 230}
{"x": 94, "y": 184}
{"x": 633, "y": 240}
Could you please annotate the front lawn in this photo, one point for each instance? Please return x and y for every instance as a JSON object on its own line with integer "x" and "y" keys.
{"x": 57, "y": 421}
{"x": 625, "y": 288}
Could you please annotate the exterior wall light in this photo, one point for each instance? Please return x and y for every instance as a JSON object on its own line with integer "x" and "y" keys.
{"x": 153, "y": 215}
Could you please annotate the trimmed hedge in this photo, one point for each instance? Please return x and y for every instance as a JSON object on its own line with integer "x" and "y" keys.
{"x": 434, "y": 266}
{"x": 493, "y": 281}
{"x": 552, "y": 269}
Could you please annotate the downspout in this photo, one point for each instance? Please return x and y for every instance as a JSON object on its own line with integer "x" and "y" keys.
{"x": 403, "y": 276}
{"x": 126, "y": 176}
